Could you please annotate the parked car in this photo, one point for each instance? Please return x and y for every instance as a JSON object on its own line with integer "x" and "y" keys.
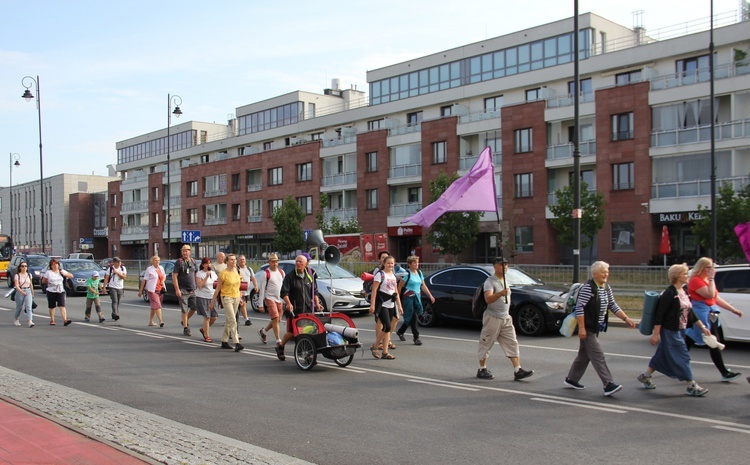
{"x": 168, "y": 269}
{"x": 81, "y": 256}
{"x": 733, "y": 284}
{"x": 106, "y": 262}
{"x": 36, "y": 263}
{"x": 345, "y": 288}
{"x": 535, "y": 307}
{"x": 81, "y": 270}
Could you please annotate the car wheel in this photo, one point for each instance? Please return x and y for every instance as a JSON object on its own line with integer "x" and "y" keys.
{"x": 255, "y": 301}
{"x": 145, "y": 296}
{"x": 9, "y": 278}
{"x": 323, "y": 302}
{"x": 428, "y": 318}
{"x": 529, "y": 321}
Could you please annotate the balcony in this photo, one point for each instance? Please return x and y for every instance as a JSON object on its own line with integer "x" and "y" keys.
{"x": 254, "y": 218}
{"x": 175, "y": 177}
{"x": 687, "y": 78}
{"x": 134, "y": 206}
{"x": 131, "y": 230}
{"x": 408, "y": 129}
{"x": 700, "y": 134}
{"x": 215, "y": 192}
{"x": 466, "y": 163}
{"x": 567, "y": 100}
{"x": 480, "y": 116}
{"x": 698, "y": 187}
{"x": 404, "y": 209}
{"x": 342, "y": 214}
{"x": 556, "y": 152}
{"x": 405, "y": 171}
{"x": 135, "y": 179}
{"x": 175, "y": 201}
{"x": 215, "y": 221}
{"x": 254, "y": 187}
{"x": 339, "y": 179}
{"x": 341, "y": 141}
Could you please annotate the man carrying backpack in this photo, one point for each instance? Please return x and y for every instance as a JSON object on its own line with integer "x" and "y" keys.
{"x": 269, "y": 297}
{"x": 497, "y": 324}
{"x": 183, "y": 278}
{"x": 410, "y": 288}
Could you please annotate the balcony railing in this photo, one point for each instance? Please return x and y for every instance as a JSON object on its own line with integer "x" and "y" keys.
{"x": 404, "y": 209}
{"x": 480, "y": 116}
{"x": 699, "y": 187}
{"x": 174, "y": 202}
{"x": 254, "y": 218}
{"x": 687, "y": 78}
{"x": 556, "y": 152}
{"x": 254, "y": 187}
{"x": 142, "y": 229}
{"x": 215, "y": 192}
{"x": 343, "y": 214}
{"x": 567, "y": 100}
{"x": 698, "y": 134}
{"x": 215, "y": 221}
{"x": 134, "y": 179}
{"x": 133, "y": 206}
{"x": 408, "y": 129}
{"x": 405, "y": 171}
{"x": 342, "y": 141}
{"x": 552, "y": 196}
{"x": 339, "y": 179}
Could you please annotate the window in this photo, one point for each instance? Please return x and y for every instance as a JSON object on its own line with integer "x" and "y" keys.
{"x": 626, "y": 78}
{"x": 622, "y": 126}
{"x": 192, "y": 188}
{"x": 438, "y": 153}
{"x": 584, "y": 84}
{"x": 446, "y": 110}
{"x": 415, "y": 195}
{"x": 372, "y": 199}
{"x": 155, "y": 219}
{"x": 623, "y": 236}
{"x": 523, "y": 140}
{"x": 374, "y": 125}
{"x": 154, "y": 194}
{"x": 371, "y": 162}
{"x": 254, "y": 210}
{"x": 241, "y": 151}
{"x": 192, "y": 215}
{"x": 524, "y": 185}
{"x": 304, "y": 172}
{"x": 533, "y": 95}
{"x": 113, "y": 222}
{"x": 316, "y": 136}
{"x": 236, "y": 212}
{"x": 493, "y": 103}
{"x": 268, "y": 145}
{"x": 414, "y": 119}
{"x": 254, "y": 182}
{"x": 525, "y": 239}
{"x": 623, "y": 176}
{"x": 114, "y": 200}
{"x": 204, "y": 158}
{"x": 275, "y": 176}
{"x": 236, "y": 182}
{"x": 273, "y": 205}
{"x": 305, "y": 204}
{"x": 689, "y": 66}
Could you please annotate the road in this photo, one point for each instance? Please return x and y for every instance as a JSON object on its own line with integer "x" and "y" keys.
{"x": 426, "y": 406}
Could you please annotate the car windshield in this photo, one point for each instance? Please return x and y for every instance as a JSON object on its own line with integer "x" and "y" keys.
{"x": 336, "y": 271}
{"x": 37, "y": 261}
{"x": 81, "y": 266}
{"x": 519, "y": 278}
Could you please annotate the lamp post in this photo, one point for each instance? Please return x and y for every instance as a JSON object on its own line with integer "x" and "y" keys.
{"x": 177, "y": 100}
{"x": 14, "y": 157}
{"x": 29, "y": 96}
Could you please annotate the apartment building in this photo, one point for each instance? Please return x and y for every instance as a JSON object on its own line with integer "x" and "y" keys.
{"x": 644, "y": 142}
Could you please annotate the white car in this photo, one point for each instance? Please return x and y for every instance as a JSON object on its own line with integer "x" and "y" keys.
{"x": 344, "y": 293}
{"x": 733, "y": 283}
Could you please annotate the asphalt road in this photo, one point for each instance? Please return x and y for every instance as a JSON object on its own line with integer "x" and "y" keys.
{"x": 426, "y": 406}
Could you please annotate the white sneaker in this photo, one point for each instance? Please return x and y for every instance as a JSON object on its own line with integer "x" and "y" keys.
{"x": 16, "y": 323}
{"x": 31, "y": 324}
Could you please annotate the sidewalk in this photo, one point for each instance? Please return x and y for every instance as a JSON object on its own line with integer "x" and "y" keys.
{"x": 27, "y": 437}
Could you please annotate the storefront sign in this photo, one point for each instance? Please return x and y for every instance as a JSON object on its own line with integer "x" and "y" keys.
{"x": 405, "y": 231}
{"x": 681, "y": 217}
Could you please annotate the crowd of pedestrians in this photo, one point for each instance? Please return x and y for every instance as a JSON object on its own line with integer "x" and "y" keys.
{"x": 685, "y": 316}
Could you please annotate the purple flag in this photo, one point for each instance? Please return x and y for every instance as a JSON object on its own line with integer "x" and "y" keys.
{"x": 743, "y": 234}
{"x": 474, "y": 191}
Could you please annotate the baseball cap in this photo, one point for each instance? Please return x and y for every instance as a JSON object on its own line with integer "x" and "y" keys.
{"x": 95, "y": 274}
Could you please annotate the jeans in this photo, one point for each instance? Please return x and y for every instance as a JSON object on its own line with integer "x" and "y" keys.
{"x": 23, "y": 303}
{"x": 116, "y": 296}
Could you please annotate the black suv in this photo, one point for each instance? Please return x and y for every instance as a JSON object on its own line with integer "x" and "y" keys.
{"x": 36, "y": 263}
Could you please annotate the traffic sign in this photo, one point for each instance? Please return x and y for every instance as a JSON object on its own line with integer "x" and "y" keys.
{"x": 306, "y": 233}
{"x": 191, "y": 236}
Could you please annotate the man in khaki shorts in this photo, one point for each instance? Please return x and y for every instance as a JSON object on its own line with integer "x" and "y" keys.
{"x": 497, "y": 324}
{"x": 269, "y": 297}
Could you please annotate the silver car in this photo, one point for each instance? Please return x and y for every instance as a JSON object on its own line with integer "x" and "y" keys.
{"x": 340, "y": 291}
{"x": 733, "y": 284}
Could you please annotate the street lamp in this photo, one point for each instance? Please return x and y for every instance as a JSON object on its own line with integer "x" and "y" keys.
{"x": 29, "y": 96}
{"x": 177, "y": 100}
{"x": 13, "y": 157}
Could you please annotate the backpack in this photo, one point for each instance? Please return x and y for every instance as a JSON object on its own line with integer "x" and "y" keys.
{"x": 268, "y": 274}
{"x": 367, "y": 285}
{"x": 478, "y": 303}
{"x": 570, "y": 303}
{"x": 406, "y": 281}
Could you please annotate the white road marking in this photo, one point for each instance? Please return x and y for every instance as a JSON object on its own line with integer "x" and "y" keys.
{"x": 736, "y": 430}
{"x": 577, "y": 404}
{"x": 442, "y": 385}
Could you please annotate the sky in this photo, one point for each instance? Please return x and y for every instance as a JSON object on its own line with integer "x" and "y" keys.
{"x": 106, "y": 67}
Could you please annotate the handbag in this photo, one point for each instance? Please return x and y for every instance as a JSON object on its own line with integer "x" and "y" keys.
{"x": 569, "y": 325}
{"x": 12, "y": 294}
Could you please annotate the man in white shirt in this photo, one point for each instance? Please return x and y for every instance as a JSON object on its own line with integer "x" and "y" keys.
{"x": 114, "y": 282}
{"x": 269, "y": 297}
{"x": 248, "y": 276}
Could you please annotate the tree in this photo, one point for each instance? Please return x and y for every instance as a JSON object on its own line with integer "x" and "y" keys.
{"x": 732, "y": 208}
{"x": 453, "y": 232}
{"x": 288, "y": 222}
{"x": 591, "y": 222}
{"x": 334, "y": 225}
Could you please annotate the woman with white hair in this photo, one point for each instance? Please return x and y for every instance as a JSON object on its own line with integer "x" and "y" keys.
{"x": 673, "y": 314}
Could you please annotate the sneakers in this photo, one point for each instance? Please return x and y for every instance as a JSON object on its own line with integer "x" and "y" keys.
{"x": 521, "y": 374}
{"x": 484, "y": 373}
{"x": 417, "y": 342}
{"x": 115, "y": 317}
{"x": 611, "y": 388}
{"x": 101, "y": 320}
{"x": 730, "y": 376}
{"x": 280, "y": 352}
{"x": 263, "y": 336}
{"x": 16, "y": 323}
{"x": 225, "y": 345}
{"x": 646, "y": 380}
{"x": 574, "y": 384}
{"x": 31, "y": 324}
{"x": 238, "y": 347}
{"x": 87, "y": 319}
{"x": 401, "y": 336}
{"x": 695, "y": 391}
{"x": 186, "y": 331}
{"x": 248, "y": 322}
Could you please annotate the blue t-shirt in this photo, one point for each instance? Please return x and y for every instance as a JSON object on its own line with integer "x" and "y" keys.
{"x": 413, "y": 282}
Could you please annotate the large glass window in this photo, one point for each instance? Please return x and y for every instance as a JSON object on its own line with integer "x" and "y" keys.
{"x": 371, "y": 161}
{"x": 623, "y": 236}
{"x": 304, "y": 172}
{"x": 283, "y": 115}
{"x": 372, "y": 199}
{"x": 275, "y": 176}
{"x": 524, "y": 239}
{"x": 524, "y": 185}
{"x": 273, "y": 205}
{"x": 622, "y": 126}
{"x": 623, "y": 176}
{"x": 439, "y": 152}
{"x": 523, "y": 140}
{"x": 305, "y": 204}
